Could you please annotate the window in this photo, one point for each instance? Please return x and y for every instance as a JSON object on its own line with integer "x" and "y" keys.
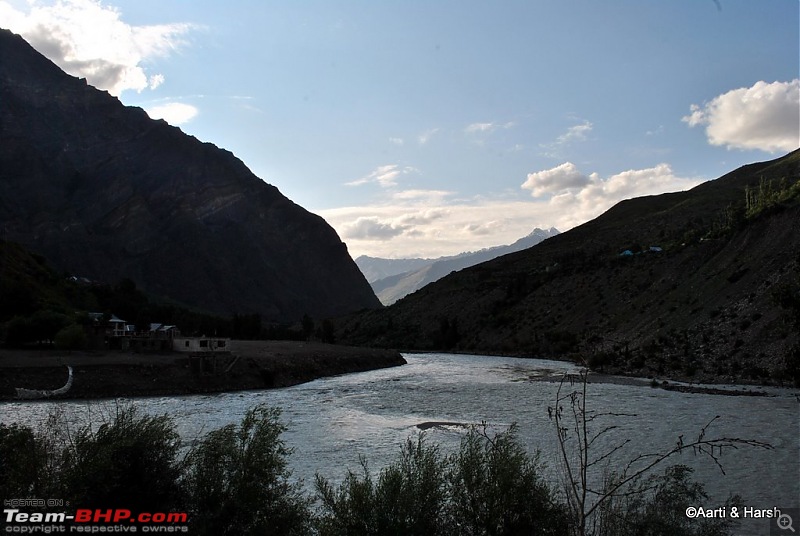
{"x": 203, "y": 344}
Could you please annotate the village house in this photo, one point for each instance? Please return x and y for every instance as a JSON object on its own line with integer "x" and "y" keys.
{"x": 200, "y": 345}
{"x": 158, "y": 337}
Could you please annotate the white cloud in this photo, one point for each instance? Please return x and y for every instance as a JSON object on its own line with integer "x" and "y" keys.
{"x": 90, "y": 40}
{"x": 174, "y": 113}
{"x": 434, "y": 196}
{"x": 386, "y": 176}
{"x": 484, "y": 228}
{"x": 397, "y": 141}
{"x": 385, "y": 227}
{"x": 372, "y": 228}
{"x": 555, "y": 180}
{"x": 479, "y": 127}
{"x": 578, "y": 205}
{"x": 575, "y": 133}
{"x": 155, "y": 81}
{"x": 422, "y": 217}
{"x": 420, "y": 229}
{"x": 764, "y": 116}
{"x": 476, "y": 128}
{"x": 426, "y": 136}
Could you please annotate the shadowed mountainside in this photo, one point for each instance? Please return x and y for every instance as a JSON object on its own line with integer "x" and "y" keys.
{"x": 105, "y": 192}
{"x": 718, "y": 301}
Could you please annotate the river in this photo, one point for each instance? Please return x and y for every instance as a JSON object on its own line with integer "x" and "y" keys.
{"x": 333, "y": 421}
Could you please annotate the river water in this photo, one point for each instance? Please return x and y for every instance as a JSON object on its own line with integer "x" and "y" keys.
{"x": 333, "y": 421}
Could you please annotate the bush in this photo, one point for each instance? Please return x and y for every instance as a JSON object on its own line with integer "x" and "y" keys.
{"x": 495, "y": 488}
{"x": 657, "y": 506}
{"x": 20, "y": 462}
{"x": 237, "y": 481}
{"x": 71, "y": 337}
{"x": 130, "y": 463}
{"x": 489, "y": 487}
{"x": 409, "y": 497}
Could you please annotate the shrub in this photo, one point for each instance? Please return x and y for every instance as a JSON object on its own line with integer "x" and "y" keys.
{"x": 491, "y": 486}
{"x": 130, "y": 462}
{"x": 495, "y": 488}
{"x": 350, "y": 509}
{"x": 20, "y": 463}
{"x": 656, "y": 506}
{"x": 409, "y": 497}
{"x": 71, "y": 337}
{"x": 237, "y": 481}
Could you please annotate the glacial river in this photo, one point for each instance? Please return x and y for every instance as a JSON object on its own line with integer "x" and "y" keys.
{"x": 333, "y": 421}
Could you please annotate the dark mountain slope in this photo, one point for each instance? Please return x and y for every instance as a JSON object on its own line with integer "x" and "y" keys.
{"x": 710, "y": 305}
{"x": 105, "y": 192}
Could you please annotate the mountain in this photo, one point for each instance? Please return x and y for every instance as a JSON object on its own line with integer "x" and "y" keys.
{"x": 702, "y": 284}
{"x": 104, "y": 192}
{"x": 376, "y": 268}
{"x": 391, "y": 288}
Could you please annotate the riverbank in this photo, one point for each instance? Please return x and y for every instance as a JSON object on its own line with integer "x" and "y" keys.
{"x": 250, "y": 365}
{"x": 708, "y": 385}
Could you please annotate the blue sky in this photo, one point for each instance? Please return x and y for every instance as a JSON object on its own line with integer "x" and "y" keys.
{"x": 433, "y": 127}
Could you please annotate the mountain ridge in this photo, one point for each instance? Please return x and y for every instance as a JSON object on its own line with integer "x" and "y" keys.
{"x": 103, "y": 191}
{"x": 394, "y": 287}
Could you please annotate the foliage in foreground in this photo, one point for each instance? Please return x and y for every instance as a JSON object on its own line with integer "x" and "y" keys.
{"x": 656, "y": 506}
{"x": 236, "y": 481}
{"x": 490, "y": 486}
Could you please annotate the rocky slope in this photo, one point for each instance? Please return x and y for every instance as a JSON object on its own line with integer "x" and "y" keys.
{"x": 105, "y": 192}
{"x": 720, "y": 300}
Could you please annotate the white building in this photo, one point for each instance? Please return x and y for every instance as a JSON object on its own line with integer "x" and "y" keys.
{"x": 200, "y": 344}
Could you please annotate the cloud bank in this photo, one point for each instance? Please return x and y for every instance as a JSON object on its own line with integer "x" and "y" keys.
{"x": 432, "y": 223}
{"x": 764, "y": 116}
{"x": 88, "y": 39}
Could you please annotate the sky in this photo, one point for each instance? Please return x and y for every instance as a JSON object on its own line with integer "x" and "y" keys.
{"x": 428, "y": 128}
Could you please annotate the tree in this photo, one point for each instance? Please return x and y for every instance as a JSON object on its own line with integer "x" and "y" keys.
{"x": 307, "y": 324}
{"x": 72, "y": 337}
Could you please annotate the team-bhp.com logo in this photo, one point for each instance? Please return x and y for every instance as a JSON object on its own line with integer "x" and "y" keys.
{"x": 93, "y": 521}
